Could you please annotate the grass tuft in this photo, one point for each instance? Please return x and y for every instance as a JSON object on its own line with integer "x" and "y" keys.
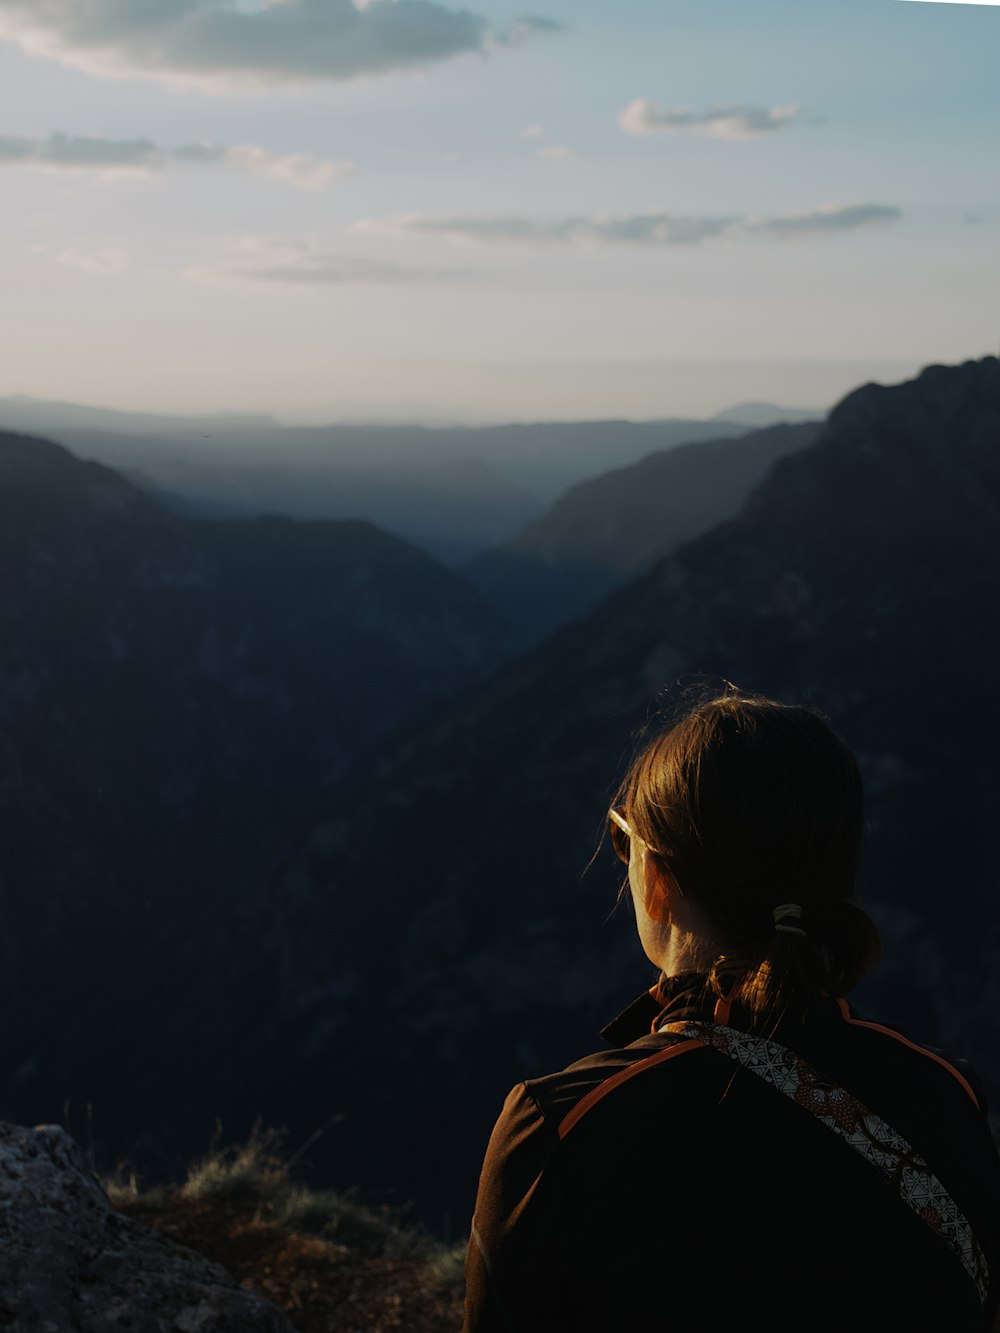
{"x": 447, "y": 1266}
{"x": 337, "y": 1216}
{"x": 123, "y": 1188}
{"x": 252, "y": 1171}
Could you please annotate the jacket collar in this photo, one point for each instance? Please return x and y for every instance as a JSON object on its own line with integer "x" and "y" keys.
{"x": 688, "y": 998}
{"x": 683, "y": 998}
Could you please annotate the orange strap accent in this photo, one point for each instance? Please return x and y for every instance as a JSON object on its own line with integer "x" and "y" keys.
{"x": 898, "y": 1036}
{"x": 616, "y": 1080}
{"x": 722, "y": 1010}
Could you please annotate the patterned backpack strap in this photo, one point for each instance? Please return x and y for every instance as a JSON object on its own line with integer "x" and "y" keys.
{"x": 899, "y": 1164}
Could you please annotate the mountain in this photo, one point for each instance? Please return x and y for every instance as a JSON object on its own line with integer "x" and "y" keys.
{"x": 459, "y": 932}
{"x": 176, "y": 700}
{"x": 32, "y": 415}
{"x": 453, "y": 491}
{"x": 759, "y": 415}
{"x": 610, "y": 528}
{"x": 137, "y": 645}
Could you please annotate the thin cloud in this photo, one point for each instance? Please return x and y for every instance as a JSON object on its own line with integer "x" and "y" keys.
{"x": 654, "y": 229}
{"x": 729, "y": 122}
{"x": 523, "y": 29}
{"x": 296, "y": 168}
{"x": 557, "y": 152}
{"x": 113, "y": 158}
{"x": 68, "y": 152}
{"x": 639, "y": 229}
{"x": 219, "y": 42}
{"x": 305, "y": 264}
{"x": 99, "y": 262}
{"x": 822, "y": 221}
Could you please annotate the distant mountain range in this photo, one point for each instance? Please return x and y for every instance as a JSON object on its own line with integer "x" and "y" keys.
{"x": 609, "y": 529}
{"x": 288, "y": 834}
{"x": 759, "y": 415}
{"x": 453, "y": 491}
{"x": 50, "y": 416}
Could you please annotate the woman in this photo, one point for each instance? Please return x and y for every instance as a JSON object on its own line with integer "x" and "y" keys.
{"x": 748, "y": 1151}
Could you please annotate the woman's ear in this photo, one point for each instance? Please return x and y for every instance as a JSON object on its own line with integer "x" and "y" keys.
{"x": 661, "y": 888}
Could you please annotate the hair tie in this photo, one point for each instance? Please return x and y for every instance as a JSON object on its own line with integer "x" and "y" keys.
{"x": 788, "y": 910}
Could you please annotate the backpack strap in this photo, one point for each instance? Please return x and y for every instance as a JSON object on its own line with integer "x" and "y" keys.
{"x": 898, "y": 1163}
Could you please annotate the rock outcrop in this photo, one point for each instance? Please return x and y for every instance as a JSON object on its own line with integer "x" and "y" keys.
{"x": 72, "y": 1264}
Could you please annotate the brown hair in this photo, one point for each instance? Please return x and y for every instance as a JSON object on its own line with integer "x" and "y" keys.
{"x": 754, "y": 803}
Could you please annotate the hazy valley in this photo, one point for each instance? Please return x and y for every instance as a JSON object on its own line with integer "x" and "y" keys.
{"x": 452, "y": 490}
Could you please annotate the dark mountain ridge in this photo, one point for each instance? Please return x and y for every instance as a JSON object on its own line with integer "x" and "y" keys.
{"x": 176, "y": 698}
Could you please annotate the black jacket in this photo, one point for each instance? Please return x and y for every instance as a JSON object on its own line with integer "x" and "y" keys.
{"x": 688, "y": 1193}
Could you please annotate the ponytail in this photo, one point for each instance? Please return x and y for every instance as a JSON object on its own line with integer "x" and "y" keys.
{"x": 839, "y": 946}
{"x": 757, "y": 806}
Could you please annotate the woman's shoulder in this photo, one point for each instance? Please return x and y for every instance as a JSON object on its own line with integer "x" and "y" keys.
{"x": 891, "y": 1051}
{"x": 560, "y": 1099}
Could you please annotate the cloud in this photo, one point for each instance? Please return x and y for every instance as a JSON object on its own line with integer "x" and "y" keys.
{"x": 216, "y": 42}
{"x": 296, "y": 168}
{"x": 112, "y": 158}
{"x": 101, "y": 262}
{"x": 523, "y": 29}
{"x": 639, "y": 229}
{"x": 557, "y": 152}
{"x": 821, "y": 221}
{"x": 67, "y": 152}
{"x": 304, "y": 263}
{"x": 729, "y": 122}
{"x": 653, "y": 229}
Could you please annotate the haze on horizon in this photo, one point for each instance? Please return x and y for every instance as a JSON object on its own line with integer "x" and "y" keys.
{"x": 325, "y": 209}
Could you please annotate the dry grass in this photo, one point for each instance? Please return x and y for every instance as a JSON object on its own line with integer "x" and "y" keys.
{"x": 331, "y": 1263}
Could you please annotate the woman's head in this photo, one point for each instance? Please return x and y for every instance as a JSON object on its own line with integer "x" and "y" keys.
{"x": 752, "y": 804}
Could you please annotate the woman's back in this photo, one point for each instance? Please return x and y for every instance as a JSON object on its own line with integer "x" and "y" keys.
{"x": 662, "y": 1176}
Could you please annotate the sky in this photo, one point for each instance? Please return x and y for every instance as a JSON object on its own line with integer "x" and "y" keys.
{"x": 408, "y": 209}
